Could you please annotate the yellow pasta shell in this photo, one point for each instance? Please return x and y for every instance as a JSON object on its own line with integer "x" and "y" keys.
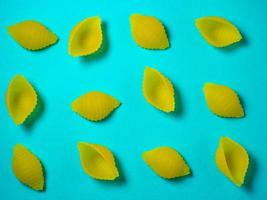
{"x": 223, "y": 101}
{"x": 166, "y": 162}
{"x": 148, "y": 32}
{"x": 95, "y": 106}
{"x": 218, "y": 31}
{"x": 86, "y": 37}
{"x": 232, "y": 160}
{"x": 27, "y": 168}
{"x": 97, "y": 161}
{"x": 21, "y": 99}
{"x": 32, "y": 35}
{"x": 158, "y": 90}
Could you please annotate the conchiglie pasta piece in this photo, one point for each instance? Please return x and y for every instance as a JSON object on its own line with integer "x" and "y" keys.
{"x": 232, "y": 160}
{"x": 148, "y": 32}
{"x": 166, "y": 162}
{"x": 98, "y": 161}
{"x": 21, "y": 99}
{"x": 27, "y": 168}
{"x": 86, "y": 37}
{"x": 218, "y": 31}
{"x": 158, "y": 90}
{"x": 32, "y": 35}
{"x": 95, "y": 105}
{"x": 223, "y": 101}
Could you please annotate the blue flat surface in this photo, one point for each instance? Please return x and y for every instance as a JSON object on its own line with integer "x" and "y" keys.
{"x": 136, "y": 126}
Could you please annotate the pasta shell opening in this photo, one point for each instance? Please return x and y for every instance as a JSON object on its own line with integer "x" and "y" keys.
{"x": 232, "y": 160}
{"x": 218, "y": 31}
{"x": 98, "y": 161}
{"x": 158, "y": 90}
{"x": 86, "y": 37}
{"x": 21, "y": 99}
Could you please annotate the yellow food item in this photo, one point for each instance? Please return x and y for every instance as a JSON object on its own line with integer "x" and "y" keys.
{"x": 232, "y": 160}
{"x": 98, "y": 161}
{"x": 166, "y": 162}
{"x": 148, "y": 32}
{"x": 95, "y": 106}
{"x": 217, "y": 31}
{"x": 223, "y": 101}
{"x": 158, "y": 90}
{"x": 27, "y": 168}
{"x": 86, "y": 37}
{"x": 21, "y": 99}
{"x": 32, "y": 35}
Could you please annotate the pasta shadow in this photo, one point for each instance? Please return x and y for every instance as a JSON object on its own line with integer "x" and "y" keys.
{"x": 251, "y": 172}
{"x": 243, "y": 104}
{"x": 36, "y": 114}
{"x": 45, "y": 177}
{"x": 178, "y": 103}
{"x": 168, "y": 33}
{"x": 102, "y": 51}
{"x": 180, "y": 179}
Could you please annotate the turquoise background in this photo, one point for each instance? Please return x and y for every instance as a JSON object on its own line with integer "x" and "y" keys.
{"x": 136, "y": 126}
